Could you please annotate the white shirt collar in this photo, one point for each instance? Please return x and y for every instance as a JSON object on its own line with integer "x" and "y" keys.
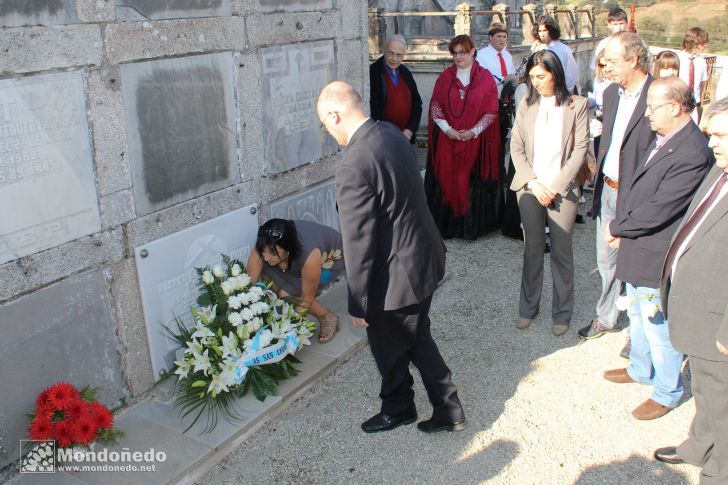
{"x": 351, "y": 133}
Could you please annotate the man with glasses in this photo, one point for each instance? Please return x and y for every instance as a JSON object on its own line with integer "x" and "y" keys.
{"x": 652, "y": 207}
{"x": 394, "y": 96}
{"x": 394, "y": 259}
{"x": 625, "y": 141}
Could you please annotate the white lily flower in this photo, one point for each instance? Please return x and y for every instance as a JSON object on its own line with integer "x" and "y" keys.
{"x": 266, "y": 337}
{"x": 235, "y": 319}
{"x": 202, "y": 362}
{"x": 202, "y": 332}
{"x": 193, "y": 347}
{"x": 208, "y": 314}
{"x": 217, "y": 386}
{"x": 218, "y": 271}
{"x": 229, "y": 345}
{"x": 207, "y": 278}
{"x": 227, "y": 374}
{"x": 236, "y": 270}
{"x": 247, "y": 344}
{"x": 183, "y": 368}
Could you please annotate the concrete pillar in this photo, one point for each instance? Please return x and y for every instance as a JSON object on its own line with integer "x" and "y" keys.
{"x": 528, "y": 19}
{"x": 568, "y": 23}
{"x": 587, "y": 21}
{"x": 377, "y": 30}
{"x": 501, "y": 14}
{"x": 464, "y": 19}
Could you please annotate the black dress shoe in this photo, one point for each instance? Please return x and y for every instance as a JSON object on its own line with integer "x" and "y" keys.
{"x": 579, "y": 219}
{"x": 595, "y": 330}
{"x": 624, "y": 353}
{"x": 384, "y": 422}
{"x": 433, "y": 426}
{"x": 668, "y": 455}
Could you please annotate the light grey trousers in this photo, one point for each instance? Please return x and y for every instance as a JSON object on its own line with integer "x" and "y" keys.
{"x": 560, "y": 216}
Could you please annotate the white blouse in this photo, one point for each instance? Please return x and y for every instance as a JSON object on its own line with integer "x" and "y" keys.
{"x": 547, "y": 140}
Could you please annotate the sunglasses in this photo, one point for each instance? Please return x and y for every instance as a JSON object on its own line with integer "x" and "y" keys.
{"x": 274, "y": 234}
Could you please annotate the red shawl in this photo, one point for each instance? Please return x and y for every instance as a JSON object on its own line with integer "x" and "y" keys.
{"x": 453, "y": 161}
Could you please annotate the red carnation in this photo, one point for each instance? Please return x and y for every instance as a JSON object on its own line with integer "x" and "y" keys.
{"x": 84, "y": 430}
{"x": 42, "y": 398}
{"x": 76, "y": 409}
{"x": 45, "y": 409}
{"x": 101, "y": 416}
{"x": 61, "y": 395}
{"x": 63, "y": 433}
{"x": 41, "y": 428}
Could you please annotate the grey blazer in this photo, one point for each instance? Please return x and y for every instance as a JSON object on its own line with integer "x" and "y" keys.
{"x": 393, "y": 251}
{"x": 574, "y": 144}
{"x": 696, "y": 301}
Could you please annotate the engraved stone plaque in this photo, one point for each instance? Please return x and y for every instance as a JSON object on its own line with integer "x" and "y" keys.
{"x": 15, "y": 13}
{"x": 63, "y": 332}
{"x": 168, "y": 280}
{"x": 130, "y": 10}
{"x": 47, "y": 187}
{"x": 292, "y": 78}
{"x": 316, "y": 204}
{"x": 181, "y": 128}
{"x": 292, "y": 5}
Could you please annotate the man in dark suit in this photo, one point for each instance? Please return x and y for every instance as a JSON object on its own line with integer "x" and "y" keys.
{"x": 394, "y": 258}
{"x": 393, "y": 91}
{"x": 694, "y": 283}
{"x": 626, "y": 137}
{"x": 652, "y": 206}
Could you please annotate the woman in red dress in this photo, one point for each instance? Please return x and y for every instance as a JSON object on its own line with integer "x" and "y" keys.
{"x": 463, "y": 181}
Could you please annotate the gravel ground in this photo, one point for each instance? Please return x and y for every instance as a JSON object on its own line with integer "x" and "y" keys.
{"x": 538, "y": 410}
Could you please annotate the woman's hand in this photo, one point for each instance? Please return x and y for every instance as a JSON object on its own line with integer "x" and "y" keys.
{"x": 453, "y": 134}
{"x": 544, "y": 195}
{"x": 466, "y": 135}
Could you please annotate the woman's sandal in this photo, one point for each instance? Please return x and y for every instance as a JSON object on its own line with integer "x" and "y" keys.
{"x": 328, "y": 326}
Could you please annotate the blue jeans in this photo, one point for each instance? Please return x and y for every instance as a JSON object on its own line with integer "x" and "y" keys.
{"x": 606, "y": 310}
{"x": 653, "y": 360}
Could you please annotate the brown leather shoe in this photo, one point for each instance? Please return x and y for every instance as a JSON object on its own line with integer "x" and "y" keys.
{"x": 650, "y": 410}
{"x": 618, "y": 376}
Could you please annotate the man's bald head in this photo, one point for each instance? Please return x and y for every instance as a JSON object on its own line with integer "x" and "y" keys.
{"x": 340, "y": 109}
{"x": 673, "y": 88}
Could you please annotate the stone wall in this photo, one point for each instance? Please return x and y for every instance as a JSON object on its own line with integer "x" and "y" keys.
{"x": 147, "y": 132}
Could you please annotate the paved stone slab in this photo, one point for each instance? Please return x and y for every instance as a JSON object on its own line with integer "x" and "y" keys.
{"x": 156, "y": 9}
{"x": 15, "y": 13}
{"x": 168, "y": 414}
{"x": 46, "y": 171}
{"x": 181, "y": 128}
{"x": 57, "y": 478}
{"x": 167, "y": 276}
{"x": 291, "y": 5}
{"x": 71, "y": 322}
{"x": 316, "y": 204}
{"x": 142, "y": 435}
{"x": 292, "y": 77}
{"x": 312, "y": 365}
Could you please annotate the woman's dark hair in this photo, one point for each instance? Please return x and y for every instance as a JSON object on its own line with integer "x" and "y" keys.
{"x": 551, "y": 25}
{"x": 278, "y": 232}
{"x": 550, "y": 62}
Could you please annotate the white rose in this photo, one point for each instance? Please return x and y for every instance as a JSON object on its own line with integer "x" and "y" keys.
{"x": 236, "y": 270}
{"x": 207, "y": 278}
{"x": 235, "y": 319}
{"x": 218, "y": 271}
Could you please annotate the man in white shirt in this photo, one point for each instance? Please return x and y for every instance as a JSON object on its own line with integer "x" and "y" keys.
{"x": 496, "y": 59}
{"x": 617, "y": 22}
{"x": 693, "y": 68}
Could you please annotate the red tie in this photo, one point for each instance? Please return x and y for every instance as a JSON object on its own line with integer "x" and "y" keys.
{"x": 692, "y": 222}
{"x": 504, "y": 72}
{"x": 691, "y": 74}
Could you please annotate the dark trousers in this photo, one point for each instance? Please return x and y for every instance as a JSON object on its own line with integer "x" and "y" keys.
{"x": 707, "y": 443}
{"x": 402, "y": 336}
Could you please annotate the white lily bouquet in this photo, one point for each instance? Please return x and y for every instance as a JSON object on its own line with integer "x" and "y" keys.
{"x": 244, "y": 338}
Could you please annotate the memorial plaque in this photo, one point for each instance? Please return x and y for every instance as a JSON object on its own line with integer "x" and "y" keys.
{"x": 16, "y": 13}
{"x": 130, "y": 10}
{"x": 316, "y": 204}
{"x": 180, "y": 119}
{"x": 168, "y": 280}
{"x": 292, "y": 78}
{"x": 63, "y": 332}
{"x": 47, "y": 186}
{"x": 292, "y": 5}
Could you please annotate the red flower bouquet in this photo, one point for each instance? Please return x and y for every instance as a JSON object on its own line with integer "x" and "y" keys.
{"x": 71, "y": 417}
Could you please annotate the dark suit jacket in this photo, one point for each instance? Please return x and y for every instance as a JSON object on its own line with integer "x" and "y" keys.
{"x": 635, "y": 145}
{"x": 378, "y": 95}
{"x": 393, "y": 251}
{"x": 696, "y": 301}
{"x": 654, "y": 204}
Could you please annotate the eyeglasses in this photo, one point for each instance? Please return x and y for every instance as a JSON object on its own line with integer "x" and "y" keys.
{"x": 323, "y": 126}
{"x": 459, "y": 53}
{"x": 655, "y": 108}
{"x": 274, "y": 234}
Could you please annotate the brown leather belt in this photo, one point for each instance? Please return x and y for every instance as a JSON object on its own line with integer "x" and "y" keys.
{"x": 612, "y": 183}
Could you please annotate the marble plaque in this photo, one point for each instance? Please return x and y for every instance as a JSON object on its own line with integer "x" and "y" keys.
{"x": 16, "y": 13}
{"x": 292, "y": 78}
{"x": 180, "y": 122}
{"x": 168, "y": 280}
{"x": 316, "y": 204}
{"x": 47, "y": 184}
{"x": 292, "y": 5}
{"x": 130, "y": 10}
{"x": 63, "y": 332}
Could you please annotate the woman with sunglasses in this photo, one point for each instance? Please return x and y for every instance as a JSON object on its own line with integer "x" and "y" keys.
{"x": 299, "y": 257}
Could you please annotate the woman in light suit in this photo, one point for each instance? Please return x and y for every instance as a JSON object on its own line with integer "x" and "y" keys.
{"x": 548, "y": 148}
